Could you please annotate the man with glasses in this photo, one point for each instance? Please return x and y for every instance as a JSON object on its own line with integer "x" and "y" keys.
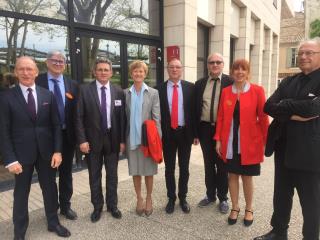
{"x": 295, "y": 108}
{"x": 178, "y": 132}
{"x": 208, "y": 91}
{"x": 100, "y": 124}
{"x": 65, "y": 91}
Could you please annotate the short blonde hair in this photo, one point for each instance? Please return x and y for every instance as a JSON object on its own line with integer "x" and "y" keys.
{"x": 138, "y": 64}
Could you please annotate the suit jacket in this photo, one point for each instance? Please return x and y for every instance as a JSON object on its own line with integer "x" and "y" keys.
{"x": 88, "y": 117}
{"x": 188, "y": 107}
{"x": 200, "y": 86}
{"x": 253, "y": 123}
{"x": 21, "y": 137}
{"x": 299, "y": 141}
{"x": 71, "y": 88}
{"x": 150, "y": 108}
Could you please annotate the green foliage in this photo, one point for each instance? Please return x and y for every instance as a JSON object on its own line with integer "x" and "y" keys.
{"x": 315, "y": 28}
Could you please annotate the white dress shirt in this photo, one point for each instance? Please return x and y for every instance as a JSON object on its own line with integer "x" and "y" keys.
{"x": 108, "y": 97}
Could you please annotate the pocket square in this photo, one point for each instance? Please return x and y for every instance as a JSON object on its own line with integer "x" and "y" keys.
{"x": 311, "y": 95}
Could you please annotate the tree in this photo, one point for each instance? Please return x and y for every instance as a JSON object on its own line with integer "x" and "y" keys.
{"x": 315, "y": 28}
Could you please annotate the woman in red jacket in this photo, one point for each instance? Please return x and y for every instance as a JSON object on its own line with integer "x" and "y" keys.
{"x": 241, "y": 132}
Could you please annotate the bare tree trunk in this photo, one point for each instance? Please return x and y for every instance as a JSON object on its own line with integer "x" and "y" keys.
{"x": 24, "y": 36}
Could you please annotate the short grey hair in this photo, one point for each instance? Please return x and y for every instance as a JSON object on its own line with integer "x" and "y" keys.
{"x": 101, "y": 60}
{"x": 215, "y": 54}
{"x": 50, "y": 54}
{"x": 315, "y": 40}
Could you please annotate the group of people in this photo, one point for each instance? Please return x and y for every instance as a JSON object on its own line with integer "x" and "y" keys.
{"x": 45, "y": 117}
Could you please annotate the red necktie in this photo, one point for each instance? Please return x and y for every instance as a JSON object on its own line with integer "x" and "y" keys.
{"x": 174, "y": 110}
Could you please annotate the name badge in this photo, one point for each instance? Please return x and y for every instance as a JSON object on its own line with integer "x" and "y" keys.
{"x": 117, "y": 103}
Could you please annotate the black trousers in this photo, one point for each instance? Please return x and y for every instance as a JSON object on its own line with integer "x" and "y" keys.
{"x": 178, "y": 142}
{"x": 46, "y": 177}
{"x": 95, "y": 163}
{"x": 65, "y": 173}
{"x": 216, "y": 177}
{"x": 307, "y": 185}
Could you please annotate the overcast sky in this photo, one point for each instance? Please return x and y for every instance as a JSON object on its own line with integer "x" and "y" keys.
{"x": 297, "y": 5}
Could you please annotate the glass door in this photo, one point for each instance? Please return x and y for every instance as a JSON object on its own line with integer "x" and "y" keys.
{"x": 121, "y": 51}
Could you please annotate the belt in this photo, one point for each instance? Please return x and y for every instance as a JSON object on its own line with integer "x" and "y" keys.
{"x": 179, "y": 128}
{"x": 208, "y": 123}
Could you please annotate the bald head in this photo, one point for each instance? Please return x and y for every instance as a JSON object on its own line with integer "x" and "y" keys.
{"x": 309, "y": 55}
{"x": 26, "y": 71}
{"x": 215, "y": 64}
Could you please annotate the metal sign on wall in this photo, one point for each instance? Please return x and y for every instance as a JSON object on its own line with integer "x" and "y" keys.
{"x": 173, "y": 52}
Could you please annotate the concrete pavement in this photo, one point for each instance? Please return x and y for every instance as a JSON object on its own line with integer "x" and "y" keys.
{"x": 201, "y": 223}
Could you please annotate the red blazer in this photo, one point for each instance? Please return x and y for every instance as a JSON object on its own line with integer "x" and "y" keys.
{"x": 253, "y": 123}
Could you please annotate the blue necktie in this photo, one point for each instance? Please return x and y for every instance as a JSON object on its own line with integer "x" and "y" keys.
{"x": 59, "y": 100}
{"x": 103, "y": 106}
{"x": 32, "y": 104}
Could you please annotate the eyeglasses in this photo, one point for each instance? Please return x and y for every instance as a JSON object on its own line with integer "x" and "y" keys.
{"x": 174, "y": 67}
{"x": 307, "y": 53}
{"x": 101, "y": 70}
{"x": 215, "y": 62}
{"x": 56, "y": 61}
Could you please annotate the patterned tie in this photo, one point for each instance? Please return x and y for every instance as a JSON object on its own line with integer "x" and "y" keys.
{"x": 32, "y": 104}
{"x": 103, "y": 108}
{"x": 59, "y": 100}
{"x": 174, "y": 109}
{"x": 212, "y": 99}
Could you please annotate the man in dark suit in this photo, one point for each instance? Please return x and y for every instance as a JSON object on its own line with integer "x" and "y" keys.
{"x": 207, "y": 92}
{"x": 65, "y": 91}
{"x": 296, "y": 105}
{"x": 30, "y": 137}
{"x": 178, "y": 127}
{"x": 100, "y": 124}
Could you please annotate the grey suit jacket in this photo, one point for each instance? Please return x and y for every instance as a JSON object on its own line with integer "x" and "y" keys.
{"x": 150, "y": 107}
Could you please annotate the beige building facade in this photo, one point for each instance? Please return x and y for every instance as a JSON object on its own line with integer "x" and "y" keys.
{"x": 235, "y": 28}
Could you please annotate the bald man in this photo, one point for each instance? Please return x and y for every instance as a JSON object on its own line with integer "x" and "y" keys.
{"x": 30, "y": 138}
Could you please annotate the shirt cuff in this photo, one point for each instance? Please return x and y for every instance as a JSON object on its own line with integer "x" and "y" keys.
{"x": 10, "y": 164}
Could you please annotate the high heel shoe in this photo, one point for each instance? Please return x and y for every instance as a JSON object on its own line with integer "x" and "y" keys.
{"x": 139, "y": 209}
{"x": 247, "y": 222}
{"x": 232, "y": 221}
{"x": 147, "y": 211}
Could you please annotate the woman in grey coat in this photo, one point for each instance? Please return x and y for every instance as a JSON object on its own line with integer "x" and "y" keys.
{"x": 142, "y": 103}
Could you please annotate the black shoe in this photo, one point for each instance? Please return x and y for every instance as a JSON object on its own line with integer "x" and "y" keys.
{"x": 232, "y": 221}
{"x": 170, "y": 206}
{"x": 60, "y": 230}
{"x": 115, "y": 212}
{"x": 18, "y": 238}
{"x": 185, "y": 206}
{"x": 247, "y": 222}
{"x": 271, "y": 236}
{"x": 95, "y": 215}
{"x": 69, "y": 214}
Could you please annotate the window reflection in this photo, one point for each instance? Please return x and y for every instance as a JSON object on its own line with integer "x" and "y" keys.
{"x": 46, "y": 8}
{"x": 92, "y": 48}
{"x": 21, "y": 37}
{"x": 148, "y": 54}
{"x": 140, "y": 16}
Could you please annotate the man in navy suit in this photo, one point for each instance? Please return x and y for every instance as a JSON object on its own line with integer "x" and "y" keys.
{"x": 65, "y": 91}
{"x": 30, "y": 137}
{"x": 178, "y": 132}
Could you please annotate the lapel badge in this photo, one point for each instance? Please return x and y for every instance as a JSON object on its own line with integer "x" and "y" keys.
{"x": 69, "y": 95}
{"x": 229, "y": 103}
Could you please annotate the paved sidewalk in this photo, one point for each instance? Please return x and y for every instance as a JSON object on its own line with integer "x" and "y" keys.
{"x": 201, "y": 223}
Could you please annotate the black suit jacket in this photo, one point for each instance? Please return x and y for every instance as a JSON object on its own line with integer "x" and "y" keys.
{"x": 200, "y": 86}
{"x": 71, "y": 87}
{"x": 300, "y": 141}
{"x": 188, "y": 107}
{"x": 88, "y": 117}
{"x": 21, "y": 137}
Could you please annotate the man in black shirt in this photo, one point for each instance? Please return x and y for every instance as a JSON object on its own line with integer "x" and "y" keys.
{"x": 295, "y": 138}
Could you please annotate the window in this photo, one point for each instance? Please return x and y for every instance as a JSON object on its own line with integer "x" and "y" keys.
{"x": 232, "y": 50}
{"x": 203, "y": 51}
{"x": 292, "y": 58}
{"x": 45, "y": 8}
{"x": 139, "y": 16}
